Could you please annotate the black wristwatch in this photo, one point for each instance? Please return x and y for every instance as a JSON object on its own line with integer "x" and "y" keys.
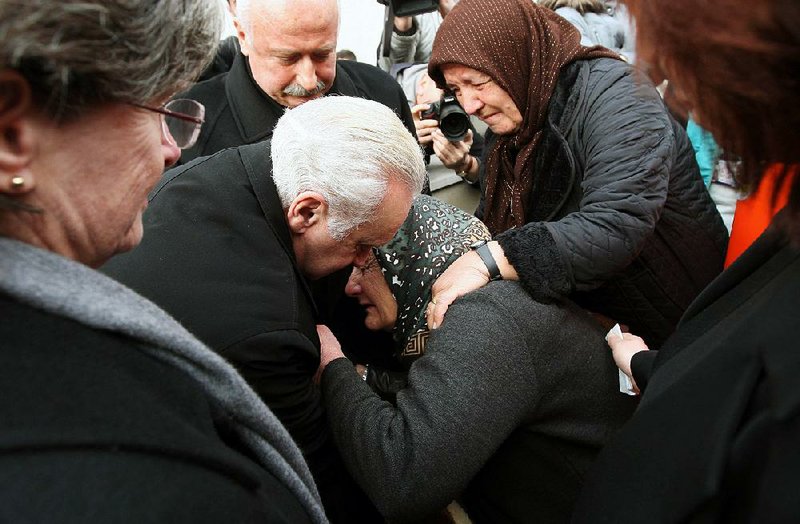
{"x": 482, "y": 249}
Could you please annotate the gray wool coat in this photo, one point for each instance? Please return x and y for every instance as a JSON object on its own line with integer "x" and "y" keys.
{"x": 501, "y": 367}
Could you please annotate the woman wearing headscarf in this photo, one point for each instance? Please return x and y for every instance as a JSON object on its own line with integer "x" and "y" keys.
{"x": 590, "y": 189}
{"x": 715, "y": 438}
{"x": 111, "y": 411}
{"x": 508, "y": 401}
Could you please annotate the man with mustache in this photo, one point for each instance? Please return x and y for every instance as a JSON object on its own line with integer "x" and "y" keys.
{"x": 287, "y": 56}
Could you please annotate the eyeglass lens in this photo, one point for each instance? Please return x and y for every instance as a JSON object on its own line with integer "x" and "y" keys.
{"x": 184, "y": 132}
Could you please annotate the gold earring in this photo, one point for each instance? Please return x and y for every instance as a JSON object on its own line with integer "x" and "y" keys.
{"x": 17, "y": 182}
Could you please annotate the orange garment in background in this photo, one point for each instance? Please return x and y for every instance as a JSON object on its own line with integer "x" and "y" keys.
{"x": 754, "y": 213}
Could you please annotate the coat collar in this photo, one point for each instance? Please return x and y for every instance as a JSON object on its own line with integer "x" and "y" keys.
{"x": 257, "y": 162}
{"x": 65, "y": 288}
{"x": 254, "y": 112}
{"x": 768, "y": 255}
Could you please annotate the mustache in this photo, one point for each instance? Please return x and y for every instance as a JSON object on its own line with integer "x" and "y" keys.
{"x": 298, "y": 90}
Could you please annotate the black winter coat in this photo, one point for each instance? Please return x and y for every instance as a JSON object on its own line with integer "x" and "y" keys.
{"x": 238, "y": 112}
{"x": 618, "y": 218}
{"x": 96, "y": 430}
{"x": 715, "y": 437}
{"x": 217, "y": 255}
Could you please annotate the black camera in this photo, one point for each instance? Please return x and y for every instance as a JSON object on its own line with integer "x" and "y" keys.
{"x": 453, "y": 120}
{"x": 411, "y": 7}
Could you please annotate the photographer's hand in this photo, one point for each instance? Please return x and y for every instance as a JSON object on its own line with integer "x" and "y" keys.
{"x": 425, "y": 128}
{"x": 455, "y": 155}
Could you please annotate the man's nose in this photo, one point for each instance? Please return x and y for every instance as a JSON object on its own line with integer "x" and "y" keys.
{"x": 307, "y": 74}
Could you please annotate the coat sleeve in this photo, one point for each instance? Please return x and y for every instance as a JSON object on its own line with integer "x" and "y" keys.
{"x": 415, "y": 458}
{"x": 642, "y": 367}
{"x": 411, "y": 47}
{"x": 624, "y": 139}
{"x": 279, "y": 366}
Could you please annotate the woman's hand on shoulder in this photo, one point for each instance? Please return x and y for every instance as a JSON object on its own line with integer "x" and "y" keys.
{"x": 466, "y": 274}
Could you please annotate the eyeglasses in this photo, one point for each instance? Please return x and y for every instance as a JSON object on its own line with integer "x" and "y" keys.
{"x": 181, "y": 120}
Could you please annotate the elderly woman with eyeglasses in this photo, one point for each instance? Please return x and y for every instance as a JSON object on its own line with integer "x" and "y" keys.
{"x": 111, "y": 411}
{"x": 506, "y": 403}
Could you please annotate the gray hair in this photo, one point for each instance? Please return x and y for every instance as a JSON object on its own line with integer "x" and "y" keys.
{"x": 348, "y": 150}
{"x": 79, "y": 53}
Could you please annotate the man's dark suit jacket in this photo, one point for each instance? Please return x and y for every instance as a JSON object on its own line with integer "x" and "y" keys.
{"x": 238, "y": 112}
{"x": 217, "y": 255}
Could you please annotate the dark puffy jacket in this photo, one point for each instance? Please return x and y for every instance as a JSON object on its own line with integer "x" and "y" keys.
{"x": 619, "y": 218}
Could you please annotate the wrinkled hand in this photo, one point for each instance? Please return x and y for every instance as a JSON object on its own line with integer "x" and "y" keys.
{"x": 329, "y": 349}
{"x": 425, "y": 128}
{"x": 466, "y": 274}
{"x": 454, "y": 155}
{"x": 623, "y": 350}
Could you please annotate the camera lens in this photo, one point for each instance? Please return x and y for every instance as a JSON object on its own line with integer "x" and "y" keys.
{"x": 453, "y": 120}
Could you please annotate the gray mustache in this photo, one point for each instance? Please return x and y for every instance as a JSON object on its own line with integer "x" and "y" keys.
{"x": 298, "y": 90}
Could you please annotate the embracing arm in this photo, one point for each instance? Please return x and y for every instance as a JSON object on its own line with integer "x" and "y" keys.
{"x": 413, "y": 459}
{"x": 626, "y": 140}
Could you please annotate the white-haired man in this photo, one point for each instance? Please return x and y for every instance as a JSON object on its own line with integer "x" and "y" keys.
{"x": 286, "y": 56}
{"x": 230, "y": 251}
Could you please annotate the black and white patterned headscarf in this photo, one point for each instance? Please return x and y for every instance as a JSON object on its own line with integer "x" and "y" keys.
{"x": 432, "y": 237}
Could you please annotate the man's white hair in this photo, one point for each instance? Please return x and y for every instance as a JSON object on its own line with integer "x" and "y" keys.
{"x": 348, "y": 150}
{"x": 246, "y": 11}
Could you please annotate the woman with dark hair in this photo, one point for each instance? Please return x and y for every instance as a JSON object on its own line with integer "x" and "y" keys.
{"x": 111, "y": 411}
{"x": 508, "y": 402}
{"x": 715, "y": 438}
{"x": 590, "y": 188}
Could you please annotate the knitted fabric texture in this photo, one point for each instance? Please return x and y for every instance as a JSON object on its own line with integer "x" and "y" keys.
{"x": 522, "y": 47}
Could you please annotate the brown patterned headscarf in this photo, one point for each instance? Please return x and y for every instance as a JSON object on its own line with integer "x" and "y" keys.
{"x": 522, "y": 47}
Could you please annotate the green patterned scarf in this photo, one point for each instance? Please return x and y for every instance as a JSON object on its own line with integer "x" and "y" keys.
{"x": 432, "y": 237}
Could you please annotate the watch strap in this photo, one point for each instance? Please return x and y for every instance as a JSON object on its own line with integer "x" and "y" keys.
{"x": 486, "y": 255}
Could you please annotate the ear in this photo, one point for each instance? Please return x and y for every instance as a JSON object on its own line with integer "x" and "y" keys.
{"x": 240, "y": 33}
{"x": 17, "y": 136}
{"x": 308, "y": 209}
